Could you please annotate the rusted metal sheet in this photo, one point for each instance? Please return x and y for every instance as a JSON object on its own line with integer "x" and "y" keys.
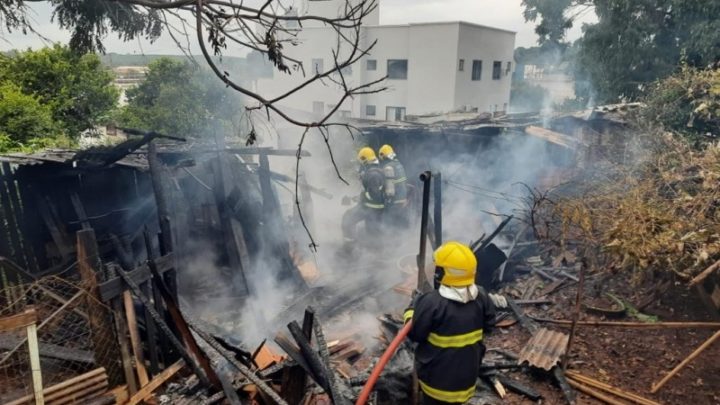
{"x": 544, "y": 349}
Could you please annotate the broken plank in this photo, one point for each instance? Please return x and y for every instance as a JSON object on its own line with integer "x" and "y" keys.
{"x": 687, "y": 360}
{"x": 52, "y": 350}
{"x": 51, "y": 391}
{"x": 19, "y": 321}
{"x": 135, "y": 342}
{"x": 609, "y": 388}
{"x": 156, "y": 382}
{"x": 115, "y": 287}
{"x": 595, "y": 394}
{"x": 641, "y": 325}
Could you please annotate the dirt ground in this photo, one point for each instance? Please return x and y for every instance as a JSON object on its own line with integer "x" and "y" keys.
{"x": 629, "y": 359}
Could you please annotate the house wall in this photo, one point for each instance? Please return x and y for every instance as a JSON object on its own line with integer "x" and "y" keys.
{"x": 433, "y": 83}
{"x": 488, "y": 45}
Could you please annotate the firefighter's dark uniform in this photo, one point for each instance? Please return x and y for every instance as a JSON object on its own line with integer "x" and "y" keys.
{"x": 395, "y": 192}
{"x": 449, "y": 335}
{"x": 370, "y": 207}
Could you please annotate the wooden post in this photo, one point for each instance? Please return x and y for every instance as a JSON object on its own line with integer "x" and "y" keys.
{"x": 163, "y": 212}
{"x": 135, "y": 339}
{"x": 89, "y": 264}
{"x": 224, "y": 214}
{"x": 34, "y": 351}
{"x": 122, "y": 335}
{"x": 294, "y": 377}
{"x": 157, "y": 300}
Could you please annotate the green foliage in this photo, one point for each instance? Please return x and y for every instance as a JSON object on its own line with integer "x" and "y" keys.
{"x": 526, "y": 97}
{"x": 553, "y": 21}
{"x": 178, "y": 98}
{"x": 633, "y": 43}
{"x": 687, "y": 102}
{"x": 637, "y": 42}
{"x": 25, "y": 122}
{"x": 76, "y": 88}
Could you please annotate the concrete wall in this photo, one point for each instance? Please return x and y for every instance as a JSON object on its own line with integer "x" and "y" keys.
{"x": 488, "y": 45}
{"x": 433, "y": 84}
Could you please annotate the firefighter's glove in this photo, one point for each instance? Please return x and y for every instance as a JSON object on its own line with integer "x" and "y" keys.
{"x": 498, "y": 300}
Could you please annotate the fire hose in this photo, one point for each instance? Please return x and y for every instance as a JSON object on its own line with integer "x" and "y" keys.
{"x": 375, "y": 374}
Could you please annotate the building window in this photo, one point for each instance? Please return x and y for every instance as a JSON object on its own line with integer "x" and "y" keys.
{"x": 508, "y": 68}
{"x": 318, "y": 107}
{"x": 371, "y": 64}
{"x": 370, "y": 110}
{"x": 397, "y": 69}
{"x": 461, "y": 65}
{"x": 395, "y": 114}
{"x": 477, "y": 70}
{"x": 497, "y": 70}
{"x": 317, "y": 66}
{"x": 344, "y": 113}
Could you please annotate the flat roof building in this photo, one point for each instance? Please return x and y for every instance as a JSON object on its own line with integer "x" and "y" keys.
{"x": 431, "y": 68}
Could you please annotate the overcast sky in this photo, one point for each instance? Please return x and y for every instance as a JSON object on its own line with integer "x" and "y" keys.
{"x": 505, "y": 14}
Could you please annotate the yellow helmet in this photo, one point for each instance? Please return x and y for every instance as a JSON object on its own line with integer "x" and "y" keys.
{"x": 386, "y": 151}
{"x": 458, "y": 263}
{"x": 366, "y": 155}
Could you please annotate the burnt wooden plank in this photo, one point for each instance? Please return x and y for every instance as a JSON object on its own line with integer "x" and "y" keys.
{"x": 11, "y": 221}
{"x": 114, "y": 287}
{"x": 89, "y": 266}
{"x": 19, "y": 210}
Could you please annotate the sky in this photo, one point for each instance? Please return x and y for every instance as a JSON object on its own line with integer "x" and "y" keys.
{"x": 506, "y": 14}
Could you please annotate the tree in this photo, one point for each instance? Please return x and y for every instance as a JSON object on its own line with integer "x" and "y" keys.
{"x": 179, "y": 98}
{"x": 25, "y": 122}
{"x": 76, "y": 87}
{"x": 633, "y": 43}
{"x": 267, "y": 28}
{"x": 553, "y": 21}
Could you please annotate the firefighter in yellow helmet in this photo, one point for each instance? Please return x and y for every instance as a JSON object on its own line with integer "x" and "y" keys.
{"x": 372, "y": 199}
{"x": 448, "y": 325}
{"x": 395, "y": 186}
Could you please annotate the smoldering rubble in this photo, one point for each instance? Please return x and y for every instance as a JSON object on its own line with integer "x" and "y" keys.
{"x": 157, "y": 261}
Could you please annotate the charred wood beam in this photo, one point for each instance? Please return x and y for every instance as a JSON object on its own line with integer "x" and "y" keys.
{"x": 518, "y": 387}
{"x": 165, "y": 329}
{"x": 246, "y": 372}
{"x": 422, "y": 283}
{"x": 311, "y": 357}
{"x": 183, "y": 328}
{"x": 295, "y": 377}
{"x": 80, "y": 210}
{"x": 240, "y": 151}
{"x": 333, "y": 381}
{"x": 116, "y": 286}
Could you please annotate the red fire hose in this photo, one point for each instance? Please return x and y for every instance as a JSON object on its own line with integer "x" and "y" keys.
{"x": 389, "y": 352}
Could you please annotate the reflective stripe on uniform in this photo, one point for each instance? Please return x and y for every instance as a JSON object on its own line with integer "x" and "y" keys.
{"x": 408, "y": 315}
{"x": 448, "y": 396}
{"x": 403, "y": 201}
{"x": 400, "y": 180}
{"x": 368, "y": 202}
{"x": 463, "y": 340}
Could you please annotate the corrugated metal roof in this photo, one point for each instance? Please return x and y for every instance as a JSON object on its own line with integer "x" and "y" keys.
{"x": 67, "y": 156}
{"x": 544, "y": 349}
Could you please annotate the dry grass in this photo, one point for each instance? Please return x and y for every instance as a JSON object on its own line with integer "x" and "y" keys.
{"x": 654, "y": 217}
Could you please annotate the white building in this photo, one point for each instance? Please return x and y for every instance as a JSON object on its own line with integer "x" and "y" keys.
{"x": 431, "y": 68}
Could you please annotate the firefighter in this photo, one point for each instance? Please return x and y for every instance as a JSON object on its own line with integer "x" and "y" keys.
{"x": 371, "y": 202}
{"x": 448, "y": 325}
{"x": 395, "y": 187}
